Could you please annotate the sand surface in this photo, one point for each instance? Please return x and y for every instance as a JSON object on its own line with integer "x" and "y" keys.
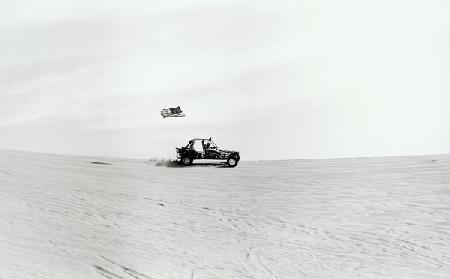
{"x": 65, "y": 217}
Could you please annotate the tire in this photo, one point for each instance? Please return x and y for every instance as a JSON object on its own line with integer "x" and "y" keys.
{"x": 232, "y": 162}
{"x": 186, "y": 161}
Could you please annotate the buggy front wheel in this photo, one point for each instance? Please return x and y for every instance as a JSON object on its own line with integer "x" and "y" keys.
{"x": 232, "y": 162}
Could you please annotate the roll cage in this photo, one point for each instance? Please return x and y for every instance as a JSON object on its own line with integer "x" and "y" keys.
{"x": 207, "y": 144}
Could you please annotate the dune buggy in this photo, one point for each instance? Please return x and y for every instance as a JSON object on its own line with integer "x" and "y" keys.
{"x": 206, "y": 149}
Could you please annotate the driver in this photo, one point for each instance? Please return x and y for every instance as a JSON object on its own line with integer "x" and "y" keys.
{"x": 211, "y": 149}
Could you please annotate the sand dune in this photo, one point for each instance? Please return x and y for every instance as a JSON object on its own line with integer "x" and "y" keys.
{"x": 86, "y": 217}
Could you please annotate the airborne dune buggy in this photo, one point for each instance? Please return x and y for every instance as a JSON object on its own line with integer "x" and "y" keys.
{"x": 206, "y": 149}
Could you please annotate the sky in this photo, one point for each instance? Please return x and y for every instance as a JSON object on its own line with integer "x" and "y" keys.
{"x": 271, "y": 79}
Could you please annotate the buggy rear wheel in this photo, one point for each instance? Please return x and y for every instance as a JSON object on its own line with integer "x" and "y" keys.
{"x": 186, "y": 161}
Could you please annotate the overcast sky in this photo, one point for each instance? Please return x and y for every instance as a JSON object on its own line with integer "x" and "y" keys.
{"x": 271, "y": 79}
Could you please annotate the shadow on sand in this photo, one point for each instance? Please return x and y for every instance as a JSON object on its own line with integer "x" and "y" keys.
{"x": 101, "y": 163}
{"x": 175, "y": 164}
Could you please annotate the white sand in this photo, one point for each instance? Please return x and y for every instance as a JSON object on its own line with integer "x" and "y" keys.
{"x": 63, "y": 217}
